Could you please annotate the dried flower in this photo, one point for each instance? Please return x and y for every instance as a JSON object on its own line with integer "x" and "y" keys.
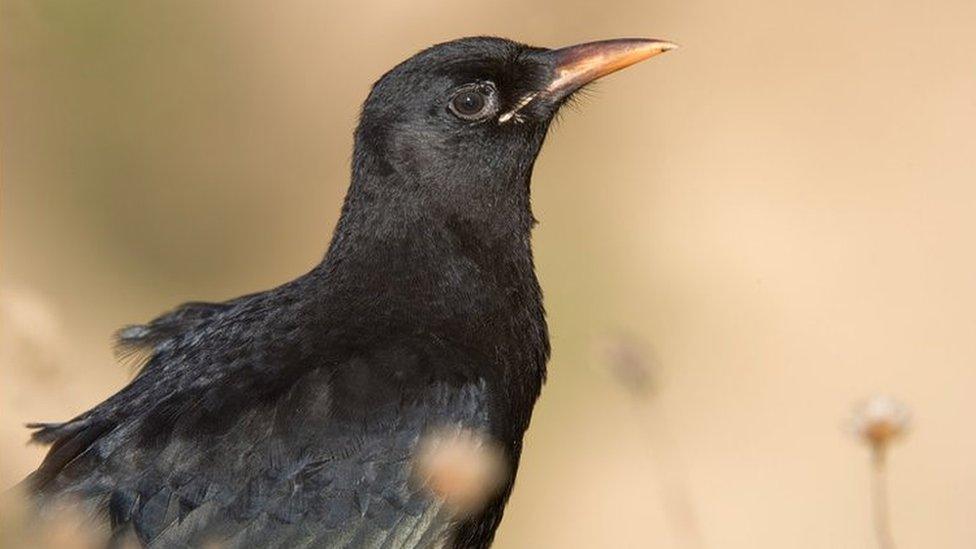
{"x": 631, "y": 366}
{"x": 879, "y": 420}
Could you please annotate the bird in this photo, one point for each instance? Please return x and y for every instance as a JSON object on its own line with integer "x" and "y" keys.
{"x": 292, "y": 417}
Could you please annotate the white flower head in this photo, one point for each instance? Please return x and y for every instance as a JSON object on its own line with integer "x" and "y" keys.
{"x": 880, "y": 419}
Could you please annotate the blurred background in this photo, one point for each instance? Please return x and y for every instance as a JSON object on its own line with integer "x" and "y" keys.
{"x": 776, "y": 220}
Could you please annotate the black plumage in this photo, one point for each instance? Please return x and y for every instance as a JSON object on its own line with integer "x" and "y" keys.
{"x": 288, "y": 418}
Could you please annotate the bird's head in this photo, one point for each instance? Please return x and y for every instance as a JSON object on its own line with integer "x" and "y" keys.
{"x": 456, "y": 128}
{"x": 434, "y": 232}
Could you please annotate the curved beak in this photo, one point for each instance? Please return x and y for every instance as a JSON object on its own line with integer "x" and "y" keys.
{"x": 575, "y": 66}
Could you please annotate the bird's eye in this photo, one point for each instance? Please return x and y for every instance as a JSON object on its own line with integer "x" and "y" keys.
{"x": 473, "y": 102}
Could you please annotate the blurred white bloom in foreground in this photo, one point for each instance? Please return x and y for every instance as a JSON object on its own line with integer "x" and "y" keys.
{"x": 461, "y": 466}
{"x": 66, "y": 525}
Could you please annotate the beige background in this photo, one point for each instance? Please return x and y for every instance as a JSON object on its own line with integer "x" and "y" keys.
{"x": 783, "y": 210}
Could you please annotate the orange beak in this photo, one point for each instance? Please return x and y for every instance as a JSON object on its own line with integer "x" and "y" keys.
{"x": 576, "y": 66}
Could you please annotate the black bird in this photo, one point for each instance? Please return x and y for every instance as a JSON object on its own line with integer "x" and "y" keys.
{"x": 289, "y": 418}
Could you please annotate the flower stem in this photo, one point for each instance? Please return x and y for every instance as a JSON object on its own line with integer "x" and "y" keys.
{"x": 879, "y": 497}
{"x": 679, "y": 511}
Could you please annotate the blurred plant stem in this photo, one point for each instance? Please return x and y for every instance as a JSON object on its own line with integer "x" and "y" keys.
{"x": 679, "y": 510}
{"x": 635, "y": 371}
{"x": 879, "y": 496}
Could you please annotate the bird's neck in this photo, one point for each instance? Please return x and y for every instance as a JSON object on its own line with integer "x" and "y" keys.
{"x": 399, "y": 267}
{"x": 409, "y": 262}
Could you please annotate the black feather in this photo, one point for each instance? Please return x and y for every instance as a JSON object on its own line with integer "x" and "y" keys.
{"x": 135, "y": 344}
